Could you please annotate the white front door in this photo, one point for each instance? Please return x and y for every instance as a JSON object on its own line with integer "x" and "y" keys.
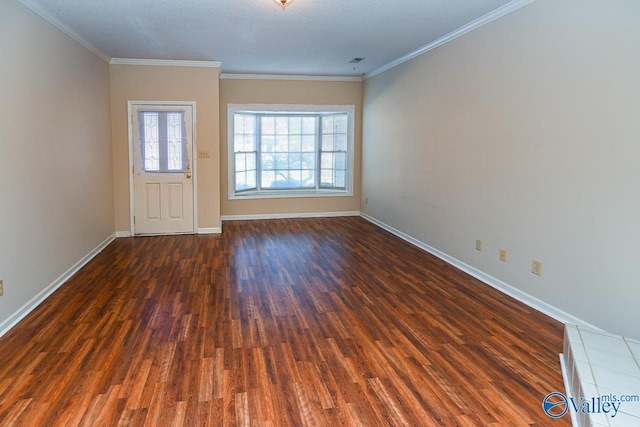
{"x": 162, "y": 169}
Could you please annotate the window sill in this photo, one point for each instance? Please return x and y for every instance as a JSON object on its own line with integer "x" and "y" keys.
{"x": 288, "y": 194}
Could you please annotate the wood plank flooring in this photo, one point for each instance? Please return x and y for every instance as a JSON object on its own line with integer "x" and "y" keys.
{"x": 311, "y": 322}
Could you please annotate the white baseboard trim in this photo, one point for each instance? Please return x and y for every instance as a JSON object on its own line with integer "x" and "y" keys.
{"x": 531, "y": 301}
{"x": 120, "y": 234}
{"x": 210, "y": 230}
{"x": 46, "y": 292}
{"x": 289, "y": 215}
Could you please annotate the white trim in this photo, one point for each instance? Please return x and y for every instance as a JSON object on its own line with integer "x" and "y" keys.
{"x": 289, "y": 215}
{"x": 483, "y": 20}
{"x": 165, "y": 62}
{"x": 300, "y": 77}
{"x": 210, "y": 230}
{"x": 523, "y": 297}
{"x": 51, "y": 19}
{"x": 194, "y": 156}
{"x": 46, "y": 292}
{"x": 289, "y": 194}
{"x": 120, "y": 234}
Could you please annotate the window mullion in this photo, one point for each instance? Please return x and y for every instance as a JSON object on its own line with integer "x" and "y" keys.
{"x": 163, "y": 141}
{"x": 258, "y": 142}
{"x": 318, "y": 150}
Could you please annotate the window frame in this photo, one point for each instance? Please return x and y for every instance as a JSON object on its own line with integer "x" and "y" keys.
{"x": 292, "y": 109}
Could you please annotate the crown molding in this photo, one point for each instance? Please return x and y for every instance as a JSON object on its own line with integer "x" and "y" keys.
{"x": 231, "y": 76}
{"x": 51, "y": 19}
{"x": 165, "y": 62}
{"x": 483, "y": 20}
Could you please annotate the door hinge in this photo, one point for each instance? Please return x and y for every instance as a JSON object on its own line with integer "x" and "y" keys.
{"x": 134, "y": 219}
{"x": 133, "y": 170}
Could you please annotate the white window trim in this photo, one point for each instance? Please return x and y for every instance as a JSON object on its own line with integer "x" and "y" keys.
{"x": 293, "y": 109}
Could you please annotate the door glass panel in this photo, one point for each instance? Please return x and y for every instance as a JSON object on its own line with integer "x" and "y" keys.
{"x": 176, "y": 143}
{"x": 151, "y": 146}
{"x": 163, "y": 141}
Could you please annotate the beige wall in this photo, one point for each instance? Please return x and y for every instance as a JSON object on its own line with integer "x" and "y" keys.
{"x": 525, "y": 134}
{"x": 55, "y": 156}
{"x": 289, "y": 92}
{"x": 159, "y": 83}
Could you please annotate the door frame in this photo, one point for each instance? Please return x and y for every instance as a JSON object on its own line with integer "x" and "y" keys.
{"x": 130, "y": 120}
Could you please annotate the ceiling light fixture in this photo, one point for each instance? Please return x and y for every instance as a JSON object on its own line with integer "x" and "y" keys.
{"x": 283, "y": 3}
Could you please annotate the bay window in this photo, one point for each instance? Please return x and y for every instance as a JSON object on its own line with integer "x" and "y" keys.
{"x": 290, "y": 151}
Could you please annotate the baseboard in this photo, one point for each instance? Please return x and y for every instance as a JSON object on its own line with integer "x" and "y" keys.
{"x": 289, "y": 215}
{"x": 45, "y": 293}
{"x": 531, "y": 301}
{"x": 210, "y": 230}
{"x": 120, "y": 234}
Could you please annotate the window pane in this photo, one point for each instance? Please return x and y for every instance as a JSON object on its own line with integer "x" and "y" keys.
{"x": 308, "y": 178}
{"x": 151, "y": 143}
{"x": 326, "y": 160}
{"x": 282, "y": 161}
{"x": 250, "y": 161}
{"x": 238, "y": 123}
{"x": 281, "y": 181}
{"x": 295, "y": 144}
{"x": 308, "y": 161}
{"x": 268, "y": 144}
{"x": 327, "y": 142}
{"x": 309, "y": 125}
{"x": 282, "y": 125}
{"x": 268, "y": 178}
{"x": 282, "y": 143}
{"x": 176, "y": 143}
{"x": 251, "y": 179}
{"x": 249, "y": 143}
{"x": 240, "y": 163}
{"x": 295, "y": 125}
{"x": 340, "y": 142}
{"x": 268, "y": 125}
{"x": 238, "y": 143}
{"x": 309, "y": 144}
{"x": 326, "y": 178}
{"x": 241, "y": 181}
{"x": 341, "y": 123}
{"x": 339, "y": 180}
{"x": 327, "y": 124}
{"x": 340, "y": 161}
{"x": 249, "y": 124}
{"x": 295, "y": 161}
{"x": 268, "y": 161}
{"x": 295, "y": 179}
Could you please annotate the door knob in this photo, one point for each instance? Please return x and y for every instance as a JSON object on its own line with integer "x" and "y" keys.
{"x": 188, "y": 175}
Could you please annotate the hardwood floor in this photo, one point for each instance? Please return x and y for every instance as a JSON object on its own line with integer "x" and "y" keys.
{"x": 315, "y": 322}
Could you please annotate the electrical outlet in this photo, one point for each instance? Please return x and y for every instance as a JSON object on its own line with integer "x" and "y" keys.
{"x": 204, "y": 154}
{"x": 1, "y": 287}
{"x": 536, "y": 267}
{"x": 478, "y": 245}
{"x": 503, "y": 255}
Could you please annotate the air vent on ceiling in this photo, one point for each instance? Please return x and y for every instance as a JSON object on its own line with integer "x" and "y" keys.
{"x": 355, "y": 60}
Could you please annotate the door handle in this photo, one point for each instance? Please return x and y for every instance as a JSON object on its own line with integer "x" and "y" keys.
{"x": 188, "y": 175}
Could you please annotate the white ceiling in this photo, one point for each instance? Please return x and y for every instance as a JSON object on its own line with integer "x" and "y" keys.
{"x": 310, "y": 37}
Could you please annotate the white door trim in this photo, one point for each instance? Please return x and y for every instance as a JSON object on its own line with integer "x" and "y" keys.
{"x": 130, "y": 107}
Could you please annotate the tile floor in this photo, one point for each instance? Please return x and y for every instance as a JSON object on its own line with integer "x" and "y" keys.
{"x": 602, "y": 365}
